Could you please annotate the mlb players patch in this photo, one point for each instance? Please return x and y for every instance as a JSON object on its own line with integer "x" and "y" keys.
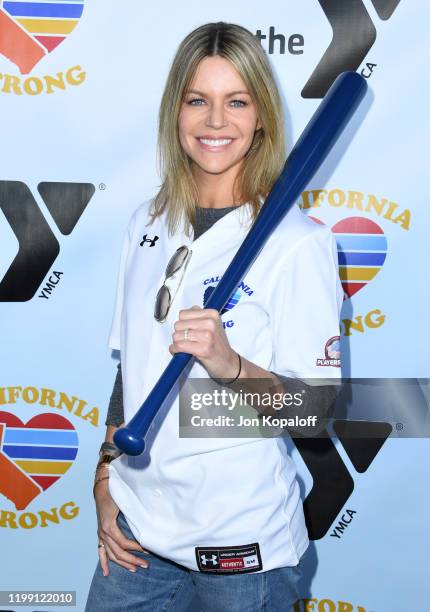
{"x": 331, "y": 353}
{"x": 229, "y": 559}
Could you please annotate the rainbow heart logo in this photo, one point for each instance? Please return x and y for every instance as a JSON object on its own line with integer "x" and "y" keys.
{"x": 361, "y": 248}
{"x": 30, "y": 30}
{"x": 35, "y": 455}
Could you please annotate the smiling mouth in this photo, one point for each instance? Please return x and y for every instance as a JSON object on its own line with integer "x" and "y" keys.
{"x": 212, "y": 143}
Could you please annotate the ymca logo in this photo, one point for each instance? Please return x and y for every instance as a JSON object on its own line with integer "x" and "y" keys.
{"x": 38, "y": 246}
{"x": 332, "y": 483}
{"x": 353, "y": 35}
{"x": 29, "y": 32}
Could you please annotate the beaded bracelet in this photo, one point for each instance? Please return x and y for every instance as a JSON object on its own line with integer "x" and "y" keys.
{"x": 109, "y": 448}
{"x": 100, "y": 479}
{"x": 100, "y": 464}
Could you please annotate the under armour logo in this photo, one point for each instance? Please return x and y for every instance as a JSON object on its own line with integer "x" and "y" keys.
{"x": 213, "y": 560}
{"x": 152, "y": 241}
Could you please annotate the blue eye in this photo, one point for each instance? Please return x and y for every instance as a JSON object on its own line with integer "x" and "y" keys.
{"x": 234, "y": 103}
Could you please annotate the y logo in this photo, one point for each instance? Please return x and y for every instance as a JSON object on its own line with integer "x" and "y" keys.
{"x": 38, "y": 247}
{"x": 353, "y": 36}
{"x": 332, "y": 483}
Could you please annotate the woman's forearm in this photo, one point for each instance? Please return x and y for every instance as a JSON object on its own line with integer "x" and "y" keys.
{"x": 110, "y": 431}
{"x": 316, "y": 400}
{"x": 115, "y": 413}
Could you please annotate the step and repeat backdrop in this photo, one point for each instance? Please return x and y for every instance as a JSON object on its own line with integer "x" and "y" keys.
{"x": 80, "y": 87}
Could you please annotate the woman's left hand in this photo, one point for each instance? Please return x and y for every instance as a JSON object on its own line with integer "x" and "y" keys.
{"x": 207, "y": 341}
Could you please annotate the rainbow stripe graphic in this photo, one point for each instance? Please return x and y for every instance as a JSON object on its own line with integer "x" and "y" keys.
{"x": 362, "y": 249}
{"x": 233, "y": 300}
{"x": 37, "y": 453}
{"x": 32, "y": 29}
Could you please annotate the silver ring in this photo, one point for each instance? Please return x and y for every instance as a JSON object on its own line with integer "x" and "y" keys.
{"x": 186, "y": 334}
{"x": 101, "y": 545}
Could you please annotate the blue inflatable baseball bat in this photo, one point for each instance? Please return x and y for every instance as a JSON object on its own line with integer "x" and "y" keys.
{"x": 313, "y": 146}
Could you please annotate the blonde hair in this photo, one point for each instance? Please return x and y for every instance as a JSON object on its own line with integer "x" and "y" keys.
{"x": 266, "y": 156}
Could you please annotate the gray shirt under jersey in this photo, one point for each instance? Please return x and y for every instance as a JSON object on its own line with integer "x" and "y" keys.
{"x": 318, "y": 400}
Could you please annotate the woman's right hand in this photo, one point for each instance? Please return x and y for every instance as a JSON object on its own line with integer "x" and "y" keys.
{"x": 115, "y": 543}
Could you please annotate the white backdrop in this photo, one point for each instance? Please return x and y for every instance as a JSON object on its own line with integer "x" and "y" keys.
{"x": 97, "y": 127}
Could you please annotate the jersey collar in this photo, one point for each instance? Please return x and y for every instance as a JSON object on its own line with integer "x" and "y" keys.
{"x": 232, "y": 226}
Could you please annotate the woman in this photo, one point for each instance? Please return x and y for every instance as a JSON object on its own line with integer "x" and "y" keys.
{"x": 220, "y": 517}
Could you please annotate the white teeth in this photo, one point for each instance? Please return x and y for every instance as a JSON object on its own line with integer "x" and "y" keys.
{"x": 215, "y": 143}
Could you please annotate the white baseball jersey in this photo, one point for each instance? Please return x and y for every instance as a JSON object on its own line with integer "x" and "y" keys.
{"x": 222, "y": 504}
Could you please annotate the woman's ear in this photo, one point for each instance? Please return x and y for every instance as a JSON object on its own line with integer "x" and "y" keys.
{"x": 258, "y": 126}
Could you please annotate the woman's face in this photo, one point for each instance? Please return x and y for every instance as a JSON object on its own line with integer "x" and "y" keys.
{"x": 218, "y": 118}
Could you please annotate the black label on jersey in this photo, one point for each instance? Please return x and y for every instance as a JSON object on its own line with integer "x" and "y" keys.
{"x": 229, "y": 559}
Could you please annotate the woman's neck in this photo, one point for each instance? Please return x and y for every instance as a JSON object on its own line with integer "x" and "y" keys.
{"x": 215, "y": 190}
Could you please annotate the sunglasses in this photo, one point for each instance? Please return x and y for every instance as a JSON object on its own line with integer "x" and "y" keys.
{"x": 163, "y": 301}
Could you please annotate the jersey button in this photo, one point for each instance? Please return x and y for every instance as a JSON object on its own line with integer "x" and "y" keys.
{"x": 158, "y": 493}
